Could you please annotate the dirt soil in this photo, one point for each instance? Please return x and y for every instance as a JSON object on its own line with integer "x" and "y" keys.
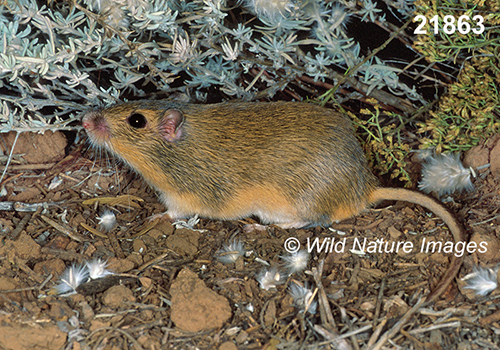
{"x": 170, "y": 289}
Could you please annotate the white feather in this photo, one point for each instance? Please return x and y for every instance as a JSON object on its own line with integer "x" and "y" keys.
{"x": 231, "y": 252}
{"x": 445, "y": 174}
{"x": 97, "y": 268}
{"x": 71, "y": 278}
{"x": 483, "y": 280}
{"x": 302, "y": 297}
{"x": 270, "y": 278}
{"x": 107, "y": 221}
{"x": 297, "y": 261}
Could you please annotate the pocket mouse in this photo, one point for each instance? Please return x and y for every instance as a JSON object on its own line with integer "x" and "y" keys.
{"x": 290, "y": 164}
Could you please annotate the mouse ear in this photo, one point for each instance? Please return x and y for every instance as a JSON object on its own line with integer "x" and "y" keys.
{"x": 171, "y": 125}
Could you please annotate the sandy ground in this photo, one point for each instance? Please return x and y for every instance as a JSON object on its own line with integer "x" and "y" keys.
{"x": 170, "y": 290}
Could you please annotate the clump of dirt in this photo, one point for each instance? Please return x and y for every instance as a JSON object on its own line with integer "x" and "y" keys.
{"x": 16, "y": 334}
{"x": 35, "y": 148}
{"x": 195, "y": 307}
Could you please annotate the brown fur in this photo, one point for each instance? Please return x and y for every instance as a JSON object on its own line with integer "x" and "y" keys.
{"x": 291, "y": 164}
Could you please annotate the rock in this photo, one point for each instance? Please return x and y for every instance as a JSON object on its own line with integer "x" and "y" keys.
{"x": 118, "y": 297}
{"x": 42, "y": 336}
{"x": 195, "y": 307}
{"x": 37, "y": 148}
{"x": 184, "y": 242}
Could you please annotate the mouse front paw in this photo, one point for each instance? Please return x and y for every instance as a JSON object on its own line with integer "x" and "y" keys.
{"x": 168, "y": 216}
{"x": 165, "y": 216}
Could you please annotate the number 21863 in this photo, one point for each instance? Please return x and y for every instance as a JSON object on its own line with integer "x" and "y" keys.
{"x": 449, "y": 26}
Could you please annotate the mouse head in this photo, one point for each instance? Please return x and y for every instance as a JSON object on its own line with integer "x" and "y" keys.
{"x": 136, "y": 131}
{"x": 132, "y": 123}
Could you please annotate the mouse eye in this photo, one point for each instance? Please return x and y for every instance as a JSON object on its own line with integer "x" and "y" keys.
{"x": 137, "y": 121}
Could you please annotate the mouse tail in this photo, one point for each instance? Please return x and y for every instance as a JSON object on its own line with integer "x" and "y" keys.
{"x": 457, "y": 230}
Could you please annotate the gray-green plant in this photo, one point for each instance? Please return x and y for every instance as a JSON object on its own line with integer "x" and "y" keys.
{"x": 59, "y": 58}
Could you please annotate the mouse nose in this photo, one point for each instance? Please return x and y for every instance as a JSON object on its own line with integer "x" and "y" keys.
{"x": 87, "y": 124}
{"x": 88, "y": 121}
{"x": 96, "y": 126}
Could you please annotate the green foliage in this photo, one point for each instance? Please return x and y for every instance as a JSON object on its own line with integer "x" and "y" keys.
{"x": 384, "y": 147}
{"x": 470, "y": 110}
